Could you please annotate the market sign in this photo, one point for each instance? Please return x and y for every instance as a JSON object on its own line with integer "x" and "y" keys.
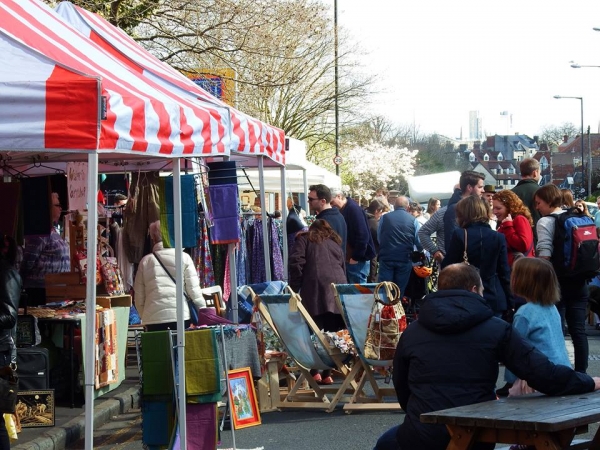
{"x": 77, "y": 176}
{"x": 218, "y": 82}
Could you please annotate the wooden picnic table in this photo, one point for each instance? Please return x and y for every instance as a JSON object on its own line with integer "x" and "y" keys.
{"x": 535, "y": 419}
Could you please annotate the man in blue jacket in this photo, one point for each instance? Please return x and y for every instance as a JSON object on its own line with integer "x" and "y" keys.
{"x": 359, "y": 245}
{"x": 449, "y": 357}
{"x": 398, "y": 238}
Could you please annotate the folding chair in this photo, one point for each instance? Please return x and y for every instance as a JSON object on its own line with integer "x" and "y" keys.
{"x": 356, "y": 301}
{"x": 286, "y": 315}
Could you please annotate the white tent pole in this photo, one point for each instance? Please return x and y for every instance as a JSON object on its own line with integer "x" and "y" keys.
{"x": 90, "y": 298}
{"x": 263, "y": 203}
{"x": 180, "y": 302}
{"x": 284, "y": 214}
{"x": 305, "y": 182}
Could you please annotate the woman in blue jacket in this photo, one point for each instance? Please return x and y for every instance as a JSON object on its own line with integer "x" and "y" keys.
{"x": 485, "y": 249}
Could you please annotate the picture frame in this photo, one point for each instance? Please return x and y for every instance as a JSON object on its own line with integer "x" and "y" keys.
{"x": 35, "y": 408}
{"x": 242, "y": 398}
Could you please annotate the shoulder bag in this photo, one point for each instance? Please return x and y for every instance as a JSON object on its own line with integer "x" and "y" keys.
{"x": 465, "y": 256}
{"x": 190, "y": 303}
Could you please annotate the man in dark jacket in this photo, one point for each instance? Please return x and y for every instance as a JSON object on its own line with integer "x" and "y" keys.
{"x": 359, "y": 245}
{"x": 525, "y": 189}
{"x": 449, "y": 358}
{"x": 319, "y": 200}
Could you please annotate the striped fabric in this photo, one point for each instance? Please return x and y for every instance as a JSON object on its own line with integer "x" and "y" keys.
{"x": 248, "y": 135}
{"x": 53, "y": 78}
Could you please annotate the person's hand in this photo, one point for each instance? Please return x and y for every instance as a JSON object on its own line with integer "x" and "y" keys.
{"x": 508, "y": 218}
{"x": 438, "y": 256}
{"x": 596, "y": 383}
{"x": 352, "y": 261}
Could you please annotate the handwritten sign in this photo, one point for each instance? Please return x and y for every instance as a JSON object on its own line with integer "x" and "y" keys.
{"x": 77, "y": 185}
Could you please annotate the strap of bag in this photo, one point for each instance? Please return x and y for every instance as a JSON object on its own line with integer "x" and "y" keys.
{"x": 392, "y": 292}
{"x": 465, "y": 256}
{"x": 187, "y": 297}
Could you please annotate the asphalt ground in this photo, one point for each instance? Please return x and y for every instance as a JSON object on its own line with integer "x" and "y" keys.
{"x": 280, "y": 430}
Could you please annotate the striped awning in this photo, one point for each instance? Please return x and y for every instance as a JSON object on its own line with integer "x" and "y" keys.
{"x": 249, "y": 136}
{"x": 60, "y": 91}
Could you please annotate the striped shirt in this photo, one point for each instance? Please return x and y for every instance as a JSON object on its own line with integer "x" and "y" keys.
{"x": 435, "y": 225}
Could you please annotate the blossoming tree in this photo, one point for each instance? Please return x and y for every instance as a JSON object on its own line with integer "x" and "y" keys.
{"x": 369, "y": 167}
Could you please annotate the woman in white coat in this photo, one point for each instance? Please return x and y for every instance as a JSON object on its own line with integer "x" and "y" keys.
{"x": 155, "y": 290}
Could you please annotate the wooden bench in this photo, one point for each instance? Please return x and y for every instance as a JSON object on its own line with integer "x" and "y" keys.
{"x": 542, "y": 421}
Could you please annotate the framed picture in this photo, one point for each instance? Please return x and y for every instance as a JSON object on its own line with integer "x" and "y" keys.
{"x": 242, "y": 398}
{"x": 36, "y": 408}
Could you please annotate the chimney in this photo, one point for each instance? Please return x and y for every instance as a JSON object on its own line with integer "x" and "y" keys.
{"x": 565, "y": 138}
{"x": 536, "y": 139}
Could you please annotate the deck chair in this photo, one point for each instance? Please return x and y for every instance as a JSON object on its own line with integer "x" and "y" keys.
{"x": 355, "y": 301}
{"x": 286, "y": 315}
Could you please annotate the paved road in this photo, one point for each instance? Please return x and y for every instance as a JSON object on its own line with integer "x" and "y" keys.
{"x": 297, "y": 429}
{"x": 123, "y": 432}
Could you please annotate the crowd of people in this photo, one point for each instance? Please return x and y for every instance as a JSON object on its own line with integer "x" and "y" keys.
{"x": 489, "y": 245}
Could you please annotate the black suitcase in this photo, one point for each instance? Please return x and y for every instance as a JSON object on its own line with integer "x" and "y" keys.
{"x": 33, "y": 368}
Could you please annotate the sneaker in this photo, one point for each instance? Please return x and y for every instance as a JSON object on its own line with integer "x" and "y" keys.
{"x": 326, "y": 381}
{"x": 503, "y": 391}
{"x": 317, "y": 378}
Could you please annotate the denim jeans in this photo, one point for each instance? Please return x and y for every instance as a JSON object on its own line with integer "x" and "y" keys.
{"x": 387, "y": 441}
{"x": 574, "y": 297}
{"x": 395, "y": 271}
{"x": 358, "y": 273}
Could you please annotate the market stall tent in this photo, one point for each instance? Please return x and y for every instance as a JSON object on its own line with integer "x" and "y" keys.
{"x": 61, "y": 94}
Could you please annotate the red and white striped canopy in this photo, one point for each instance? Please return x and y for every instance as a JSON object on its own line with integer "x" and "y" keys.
{"x": 248, "y": 135}
{"x": 54, "y": 82}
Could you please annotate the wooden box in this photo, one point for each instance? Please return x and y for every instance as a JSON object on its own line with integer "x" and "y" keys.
{"x": 64, "y": 286}
{"x": 114, "y": 301}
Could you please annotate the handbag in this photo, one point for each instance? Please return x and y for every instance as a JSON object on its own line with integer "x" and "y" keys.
{"x": 386, "y": 323}
{"x": 465, "y": 256}
{"x": 9, "y": 382}
{"x": 190, "y": 303}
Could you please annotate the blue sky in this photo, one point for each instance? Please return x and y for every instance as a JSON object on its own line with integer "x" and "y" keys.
{"x": 438, "y": 60}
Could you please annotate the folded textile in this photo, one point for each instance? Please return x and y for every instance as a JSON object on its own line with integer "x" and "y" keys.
{"x": 224, "y": 209}
{"x": 201, "y": 421}
{"x": 158, "y": 422}
{"x": 208, "y": 316}
{"x": 202, "y": 375}
{"x": 245, "y": 302}
{"x": 156, "y": 362}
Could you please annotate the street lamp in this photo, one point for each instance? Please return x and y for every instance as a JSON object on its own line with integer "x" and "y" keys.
{"x": 579, "y": 66}
{"x": 582, "y": 172}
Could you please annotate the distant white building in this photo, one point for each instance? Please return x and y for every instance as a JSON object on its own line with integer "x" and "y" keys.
{"x": 475, "y": 126}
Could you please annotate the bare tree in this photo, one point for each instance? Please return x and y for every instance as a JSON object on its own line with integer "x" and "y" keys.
{"x": 125, "y": 14}
{"x": 553, "y": 134}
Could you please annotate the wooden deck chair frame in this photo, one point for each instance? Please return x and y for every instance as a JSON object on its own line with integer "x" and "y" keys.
{"x": 319, "y": 397}
{"x": 365, "y": 368}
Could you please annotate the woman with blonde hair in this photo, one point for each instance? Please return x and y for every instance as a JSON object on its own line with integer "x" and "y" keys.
{"x": 477, "y": 244}
{"x": 515, "y": 223}
{"x": 432, "y": 206}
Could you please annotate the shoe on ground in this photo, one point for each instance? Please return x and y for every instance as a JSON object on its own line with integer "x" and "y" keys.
{"x": 503, "y": 391}
{"x": 326, "y": 381}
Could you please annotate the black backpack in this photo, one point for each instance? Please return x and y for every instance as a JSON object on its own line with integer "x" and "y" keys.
{"x": 575, "y": 255}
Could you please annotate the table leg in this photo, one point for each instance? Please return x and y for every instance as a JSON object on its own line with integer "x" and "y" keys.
{"x": 461, "y": 438}
{"x": 72, "y": 363}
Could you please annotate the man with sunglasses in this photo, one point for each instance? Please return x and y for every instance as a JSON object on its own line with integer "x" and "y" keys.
{"x": 319, "y": 201}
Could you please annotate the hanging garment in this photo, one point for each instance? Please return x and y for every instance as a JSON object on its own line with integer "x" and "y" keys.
{"x": 141, "y": 210}
{"x": 224, "y": 203}
{"x": 203, "y": 258}
{"x": 189, "y": 211}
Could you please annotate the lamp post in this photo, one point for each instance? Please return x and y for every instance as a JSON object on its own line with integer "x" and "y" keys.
{"x": 581, "y": 137}
{"x": 335, "y": 68}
